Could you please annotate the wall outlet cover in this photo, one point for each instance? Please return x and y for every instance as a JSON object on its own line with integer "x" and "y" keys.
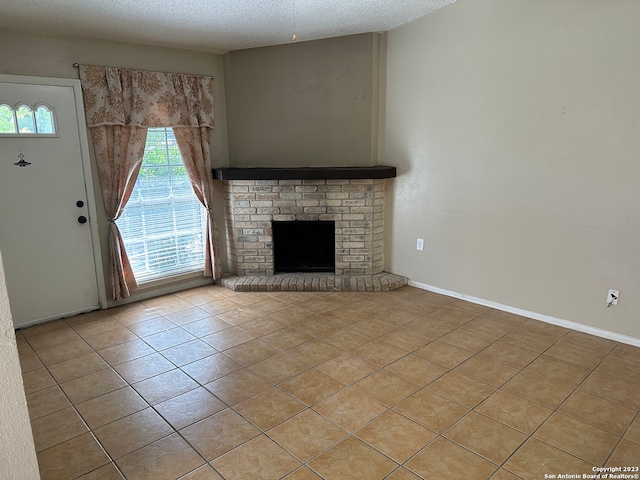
{"x": 612, "y": 297}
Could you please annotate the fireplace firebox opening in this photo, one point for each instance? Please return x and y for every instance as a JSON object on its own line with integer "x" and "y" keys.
{"x": 304, "y": 246}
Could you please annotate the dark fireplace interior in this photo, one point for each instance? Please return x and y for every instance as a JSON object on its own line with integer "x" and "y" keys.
{"x": 304, "y": 246}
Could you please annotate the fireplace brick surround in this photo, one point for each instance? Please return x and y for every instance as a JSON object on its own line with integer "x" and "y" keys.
{"x": 356, "y": 205}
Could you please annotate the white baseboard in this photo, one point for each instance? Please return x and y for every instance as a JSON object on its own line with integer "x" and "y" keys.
{"x": 618, "y": 337}
{"x": 56, "y": 317}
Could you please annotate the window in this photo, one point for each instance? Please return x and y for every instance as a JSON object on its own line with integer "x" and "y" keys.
{"x": 163, "y": 223}
{"x": 26, "y": 121}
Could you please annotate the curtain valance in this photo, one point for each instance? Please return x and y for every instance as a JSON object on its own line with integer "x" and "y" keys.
{"x": 140, "y": 98}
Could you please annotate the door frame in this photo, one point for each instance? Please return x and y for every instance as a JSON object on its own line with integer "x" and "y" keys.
{"x": 86, "y": 169}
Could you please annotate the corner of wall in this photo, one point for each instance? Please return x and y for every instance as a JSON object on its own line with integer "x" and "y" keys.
{"x": 375, "y": 100}
{"x": 380, "y": 84}
{"x": 229, "y": 106}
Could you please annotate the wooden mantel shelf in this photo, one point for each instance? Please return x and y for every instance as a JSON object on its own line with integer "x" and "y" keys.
{"x": 304, "y": 173}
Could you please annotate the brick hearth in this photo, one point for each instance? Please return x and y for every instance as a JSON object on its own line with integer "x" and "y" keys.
{"x": 309, "y": 282}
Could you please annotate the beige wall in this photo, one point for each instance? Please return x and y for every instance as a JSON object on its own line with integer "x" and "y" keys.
{"x": 17, "y": 451}
{"x": 23, "y": 53}
{"x": 304, "y": 104}
{"x": 516, "y": 129}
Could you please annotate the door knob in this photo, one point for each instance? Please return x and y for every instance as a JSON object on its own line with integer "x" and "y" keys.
{"x": 82, "y": 219}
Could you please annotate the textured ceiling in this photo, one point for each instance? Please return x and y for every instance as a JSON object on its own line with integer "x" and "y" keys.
{"x": 211, "y": 25}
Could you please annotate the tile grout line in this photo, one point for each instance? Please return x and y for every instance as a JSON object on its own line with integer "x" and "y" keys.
{"x": 89, "y": 430}
{"x": 556, "y": 410}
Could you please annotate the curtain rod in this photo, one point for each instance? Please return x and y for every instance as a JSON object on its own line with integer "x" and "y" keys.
{"x": 78, "y": 65}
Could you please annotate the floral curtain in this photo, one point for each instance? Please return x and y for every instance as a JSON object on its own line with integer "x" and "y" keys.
{"x": 120, "y": 105}
{"x": 194, "y": 149}
{"x": 122, "y": 148}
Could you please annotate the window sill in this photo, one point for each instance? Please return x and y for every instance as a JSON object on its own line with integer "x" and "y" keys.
{"x": 169, "y": 280}
{"x": 165, "y": 286}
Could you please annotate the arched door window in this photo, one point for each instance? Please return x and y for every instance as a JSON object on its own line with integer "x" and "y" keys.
{"x": 23, "y": 119}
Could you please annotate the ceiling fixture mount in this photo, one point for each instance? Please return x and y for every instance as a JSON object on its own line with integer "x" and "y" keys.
{"x": 293, "y": 9}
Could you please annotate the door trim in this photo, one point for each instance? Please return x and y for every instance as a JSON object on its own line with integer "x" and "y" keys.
{"x": 86, "y": 170}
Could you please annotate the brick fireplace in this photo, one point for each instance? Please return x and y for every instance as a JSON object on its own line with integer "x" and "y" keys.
{"x": 355, "y": 204}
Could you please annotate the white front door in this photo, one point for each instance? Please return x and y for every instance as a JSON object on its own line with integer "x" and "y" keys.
{"x": 47, "y": 249}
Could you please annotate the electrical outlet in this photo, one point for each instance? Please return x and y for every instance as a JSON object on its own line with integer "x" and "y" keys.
{"x": 420, "y": 244}
{"x": 612, "y": 297}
